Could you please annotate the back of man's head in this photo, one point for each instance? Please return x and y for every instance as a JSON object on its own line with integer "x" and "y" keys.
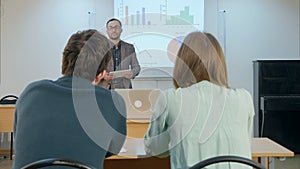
{"x": 86, "y": 54}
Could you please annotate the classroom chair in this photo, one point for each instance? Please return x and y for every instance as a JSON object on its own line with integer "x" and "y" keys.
{"x": 227, "y": 158}
{"x": 57, "y": 162}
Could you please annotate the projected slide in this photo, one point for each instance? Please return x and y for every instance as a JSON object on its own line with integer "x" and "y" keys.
{"x": 157, "y": 27}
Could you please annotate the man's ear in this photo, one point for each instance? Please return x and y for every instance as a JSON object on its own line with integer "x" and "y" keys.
{"x": 100, "y": 76}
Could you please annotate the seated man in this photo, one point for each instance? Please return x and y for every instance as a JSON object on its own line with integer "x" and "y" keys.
{"x": 70, "y": 117}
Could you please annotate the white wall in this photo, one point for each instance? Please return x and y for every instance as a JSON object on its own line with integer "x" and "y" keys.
{"x": 255, "y": 29}
{"x": 34, "y": 32}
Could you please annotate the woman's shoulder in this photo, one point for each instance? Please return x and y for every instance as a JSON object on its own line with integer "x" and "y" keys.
{"x": 241, "y": 93}
{"x": 206, "y": 86}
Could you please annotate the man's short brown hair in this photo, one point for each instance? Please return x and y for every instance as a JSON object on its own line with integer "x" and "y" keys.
{"x": 86, "y": 54}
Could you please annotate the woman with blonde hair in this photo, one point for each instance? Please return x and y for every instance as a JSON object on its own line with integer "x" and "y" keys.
{"x": 201, "y": 117}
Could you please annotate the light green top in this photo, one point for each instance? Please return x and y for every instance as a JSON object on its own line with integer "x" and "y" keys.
{"x": 201, "y": 121}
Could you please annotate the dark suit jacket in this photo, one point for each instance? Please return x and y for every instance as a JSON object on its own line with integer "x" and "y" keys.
{"x": 128, "y": 61}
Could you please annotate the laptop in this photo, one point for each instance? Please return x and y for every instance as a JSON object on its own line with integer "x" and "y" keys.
{"x": 139, "y": 102}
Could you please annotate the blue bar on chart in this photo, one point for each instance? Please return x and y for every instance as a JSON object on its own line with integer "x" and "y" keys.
{"x": 143, "y": 16}
{"x": 138, "y": 17}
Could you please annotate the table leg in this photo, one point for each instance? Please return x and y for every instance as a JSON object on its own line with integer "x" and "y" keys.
{"x": 266, "y": 161}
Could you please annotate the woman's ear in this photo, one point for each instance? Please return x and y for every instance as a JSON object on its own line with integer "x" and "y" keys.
{"x": 99, "y": 77}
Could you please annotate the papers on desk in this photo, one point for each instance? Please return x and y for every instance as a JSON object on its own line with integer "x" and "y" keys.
{"x": 133, "y": 147}
{"x": 119, "y": 73}
{"x": 123, "y": 150}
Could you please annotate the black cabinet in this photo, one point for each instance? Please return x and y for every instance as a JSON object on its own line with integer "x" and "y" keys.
{"x": 277, "y": 101}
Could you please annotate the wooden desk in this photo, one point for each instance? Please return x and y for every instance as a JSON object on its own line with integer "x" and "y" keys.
{"x": 7, "y": 122}
{"x": 135, "y": 156}
{"x": 266, "y": 148}
{"x": 7, "y": 118}
{"x": 137, "y": 128}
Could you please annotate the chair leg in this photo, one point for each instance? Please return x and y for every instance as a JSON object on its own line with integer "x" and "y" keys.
{"x": 11, "y": 145}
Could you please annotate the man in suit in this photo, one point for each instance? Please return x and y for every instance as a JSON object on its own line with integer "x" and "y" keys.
{"x": 123, "y": 56}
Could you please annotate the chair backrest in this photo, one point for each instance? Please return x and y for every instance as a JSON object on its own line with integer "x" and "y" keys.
{"x": 219, "y": 159}
{"x": 9, "y": 99}
{"x": 56, "y": 162}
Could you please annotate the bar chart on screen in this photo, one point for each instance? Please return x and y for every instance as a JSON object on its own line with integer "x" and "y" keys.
{"x": 157, "y": 28}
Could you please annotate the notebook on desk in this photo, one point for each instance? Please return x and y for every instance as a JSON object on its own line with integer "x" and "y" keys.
{"x": 138, "y": 102}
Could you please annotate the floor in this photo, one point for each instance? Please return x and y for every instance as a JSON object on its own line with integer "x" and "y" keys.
{"x": 288, "y": 163}
{"x": 5, "y": 163}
